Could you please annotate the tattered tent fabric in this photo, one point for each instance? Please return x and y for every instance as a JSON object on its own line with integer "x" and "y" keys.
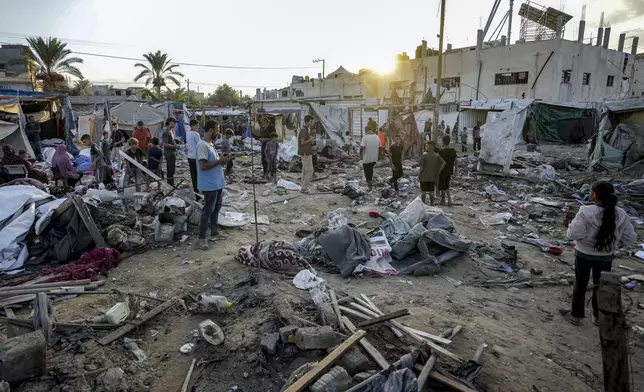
{"x": 129, "y": 113}
{"x": 562, "y": 122}
{"x": 346, "y": 248}
{"x": 334, "y": 119}
{"x": 11, "y": 133}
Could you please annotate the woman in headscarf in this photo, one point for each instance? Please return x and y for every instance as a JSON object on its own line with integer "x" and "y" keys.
{"x": 61, "y": 163}
{"x": 11, "y": 158}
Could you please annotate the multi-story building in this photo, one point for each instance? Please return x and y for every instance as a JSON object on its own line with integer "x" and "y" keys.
{"x": 14, "y": 74}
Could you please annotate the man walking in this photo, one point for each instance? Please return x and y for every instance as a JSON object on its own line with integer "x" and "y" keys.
{"x": 476, "y": 135}
{"x": 170, "y": 149}
{"x": 192, "y": 140}
{"x": 369, "y": 149}
{"x": 211, "y": 182}
{"x": 305, "y": 151}
{"x": 33, "y": 134}
{"x": 265, "y": 137}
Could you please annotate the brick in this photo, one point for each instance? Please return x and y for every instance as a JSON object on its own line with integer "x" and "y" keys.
{"x": 354, "y": 361}
{"x": 287, "y": 334}
{"x": 269, "y": 342}
{"x": 23, "y": 357}
{"x": 313, "y": 338}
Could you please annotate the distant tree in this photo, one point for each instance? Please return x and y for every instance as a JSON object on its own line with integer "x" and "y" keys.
{"x": 158, "y": 70}
{"x": 82, "y": 87}
{"x": 152, "y": 94}
{"x": 224, "y": 95}
{"x": 177, "y": 95}
{"x": 49, "y": 59}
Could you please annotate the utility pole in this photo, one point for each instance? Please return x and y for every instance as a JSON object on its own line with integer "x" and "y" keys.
{"x": 440, "y": 71}
{"x": 323, "y": 61}
{"x": 510, "y": 22}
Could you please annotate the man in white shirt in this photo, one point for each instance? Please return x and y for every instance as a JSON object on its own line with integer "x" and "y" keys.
{"x": 192, "y": 140}
{"x": 369, "y": 149}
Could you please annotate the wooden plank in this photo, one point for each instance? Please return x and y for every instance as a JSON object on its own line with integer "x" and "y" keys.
{"x": 354, "y": 313}
{"x": 325, "y": 363}
{"x": 135, "y": 323}
{"x": 186, "y": 382}
{"x": 86, "y": 217}
{"x": 336, "y": 309}
{"x": 366, "y": 302}
{"x": 429, "y": 365}
{"x": 439, "y": 339}
{"x": 4, "y": 294}
{"x": 144, "y": 169}
{"x": 17, "y": 299}
{"x": 457, "y": 386}
{"x": 81, "y": 282}
{"x": 386, "y": 317}
{"x": 368, "y": 347}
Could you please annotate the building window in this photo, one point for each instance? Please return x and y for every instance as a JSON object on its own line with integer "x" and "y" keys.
{"x": 585, "y": 81}
{"x": 610, "y": 81}
{"x": 566, "y": 74}
{"x": 3, "y": 66}
{"x": 503, "y": 79}
{"x": 284, "y": 93}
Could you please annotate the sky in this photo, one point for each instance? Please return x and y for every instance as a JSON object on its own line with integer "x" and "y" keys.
{"x": 276, "y": 34}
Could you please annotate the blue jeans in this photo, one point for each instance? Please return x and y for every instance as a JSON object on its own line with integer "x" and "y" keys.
{"x": 137, "y": 179}
{"x": 210, "y": 213}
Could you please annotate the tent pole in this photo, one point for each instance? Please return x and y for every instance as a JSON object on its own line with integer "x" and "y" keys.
{"x": 252, "y": 169}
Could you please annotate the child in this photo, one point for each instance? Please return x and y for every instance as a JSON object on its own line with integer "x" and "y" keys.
{"x": 431, "y": 165}
{"x": 272, "y": 148}
{"x": 155, "y": 155}
{"x": 25, "y": 158}
{"x": 464, "y": 140}
{"x": 597, "y": 230}
{"x": 135, "y": 153}
{"x": 395, "y": 157}
{"x": 102, "y": 172}
{"x": 449, "y": 156}
{"x": 225, "y": 149}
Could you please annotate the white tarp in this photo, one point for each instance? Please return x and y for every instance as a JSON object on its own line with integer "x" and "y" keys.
{"x": 11, "y": 134}
{"x": 335, "y": 120}
{"x": 16, "y": 219}
{"x": 129, "y": 113}
{"x": 503, "y": 131}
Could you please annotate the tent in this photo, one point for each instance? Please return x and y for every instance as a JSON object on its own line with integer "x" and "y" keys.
{"x": 620, "y": 139}
{"x": 130, "y": 112}
{"x": 563, "y": 122}
{"x": 12, "y": 134}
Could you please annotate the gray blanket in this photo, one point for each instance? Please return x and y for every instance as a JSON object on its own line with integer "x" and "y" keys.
{"x": 346, "y": 248}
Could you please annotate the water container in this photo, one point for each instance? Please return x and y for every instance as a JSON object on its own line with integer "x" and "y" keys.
{"x": 213, "y": 303}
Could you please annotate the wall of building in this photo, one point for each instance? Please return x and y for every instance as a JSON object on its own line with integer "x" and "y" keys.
{"x": 14, "y": 74}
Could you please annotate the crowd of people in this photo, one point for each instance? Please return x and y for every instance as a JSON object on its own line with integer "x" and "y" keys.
{"x": 455, "y": 135}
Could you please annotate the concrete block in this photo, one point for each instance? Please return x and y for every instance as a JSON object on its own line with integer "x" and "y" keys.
{"x": 327, "y": 314}
{"x": 269, "y": 342}
{"x": 23, "y": 357}
{"x": 336, "y": 380}
{"x": 354, "y": 361}
{"x": 313, "y": 338}
{"x": 287, "y": 334}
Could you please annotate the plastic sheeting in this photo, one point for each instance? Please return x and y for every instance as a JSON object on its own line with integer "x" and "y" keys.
{"x": 129, "y": 113}
{"x": 11, "y": 133}
{"x": 335, "y": 120}
{"x": 624, "y": 144}
{"x": 562, "y": 124}
{"x": 503, "y": 131}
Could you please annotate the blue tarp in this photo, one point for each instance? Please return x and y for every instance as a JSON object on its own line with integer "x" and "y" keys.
{"x": 10, "y": 92}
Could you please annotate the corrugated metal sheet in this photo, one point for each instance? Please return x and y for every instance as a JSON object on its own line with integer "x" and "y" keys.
{"x": 358, "y": 124}
{"x": 468, "y": 118}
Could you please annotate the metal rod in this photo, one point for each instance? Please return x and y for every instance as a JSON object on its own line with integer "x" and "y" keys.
{"x": 252, "y": 170}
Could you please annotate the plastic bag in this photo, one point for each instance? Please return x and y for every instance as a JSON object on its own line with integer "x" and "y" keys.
{"x": 542, "y": 173}
{"x": 498, "y": 219}
{"x": 414, "y": 213}
{"x": 407, "y": 245}
{"x": 163, "y": 232}
{"x": 288, "y": 185}
{"x": 306, "y": 279}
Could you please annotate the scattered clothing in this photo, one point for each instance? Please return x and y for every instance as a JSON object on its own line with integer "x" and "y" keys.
{"x": 346, "y": 247}
{"x": 277, "y": 256}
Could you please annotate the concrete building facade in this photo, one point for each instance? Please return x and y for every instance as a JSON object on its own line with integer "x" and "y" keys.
{"x": 13, "y": 75}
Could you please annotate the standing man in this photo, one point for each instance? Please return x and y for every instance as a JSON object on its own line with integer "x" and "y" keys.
{"x": 431, "y": 164}
{"x": 441, "y": 129}
{"x": 369, "y": 149}
{"x": 33, "y": 134}
{"x": 395, "y": 158}
{"x": 143, "y": 135}
{"x": 445, "y": 177}
{"x": 170, "y": 149}
{"x": 211, "y": 182}
{"x": 305, "y": 151}
{"x": 476, "y": 135}
{"x": 264, "y": 138}
{"x": 119, "y": 138}
{"x": 131, "y": 170}
{"x": 192, "y": 140}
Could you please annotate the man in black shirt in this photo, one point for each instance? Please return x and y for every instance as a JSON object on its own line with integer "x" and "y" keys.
{"x": 264, "y": 138}
{"x": 33, "y": 134}
{"x": 395, "y": 155}
{"x": 449, "y": 156}
{"x": 119, "y": 139}
{"x": 135, "y": 153}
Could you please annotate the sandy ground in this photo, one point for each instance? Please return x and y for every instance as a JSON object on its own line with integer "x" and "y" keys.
{"x": 534, "y": 349}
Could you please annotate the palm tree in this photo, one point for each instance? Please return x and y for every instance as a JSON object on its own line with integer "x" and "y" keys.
{"x": 177, "y": 95}
{"x": 158, "y": 70}
{"x": 50, "y": 60}
{"x": 83, "y": 87}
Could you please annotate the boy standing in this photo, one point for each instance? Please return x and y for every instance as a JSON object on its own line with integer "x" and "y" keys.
{"x": 136, "y": 154}
{"x": 449, "y": 156}
{"x": 272, "y": 148}
{"x": 431, "y": 165}
{"x": 226, "y": 149}
{"x": 464, "y": 140}
{"x": 395, "y": 156}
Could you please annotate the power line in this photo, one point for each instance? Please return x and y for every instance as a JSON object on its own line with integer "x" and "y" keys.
{"x": 188, "y": 64}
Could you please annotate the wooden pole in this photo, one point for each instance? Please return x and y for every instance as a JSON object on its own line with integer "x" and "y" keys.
{"x": 440, "y": 71}
{"x": 612, "y": 334}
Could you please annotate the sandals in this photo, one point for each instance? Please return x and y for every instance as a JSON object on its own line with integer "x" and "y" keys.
{"x": 569, "y": 317}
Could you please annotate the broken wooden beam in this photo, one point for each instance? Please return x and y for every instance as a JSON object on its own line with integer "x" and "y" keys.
{"x": 47, "y": 290}
{"x": 88, "y": 221}
{"x": 429, "y": 365}
{"x": 386, "y": 317}
{"x": 336, "y": 309}
{"x": 135, "y": 323}
{"x": 81, "y": 282}
{"x": 368, "y": 347}
{"x": 186, "y": 382}
{"x": 325, "y": 363}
